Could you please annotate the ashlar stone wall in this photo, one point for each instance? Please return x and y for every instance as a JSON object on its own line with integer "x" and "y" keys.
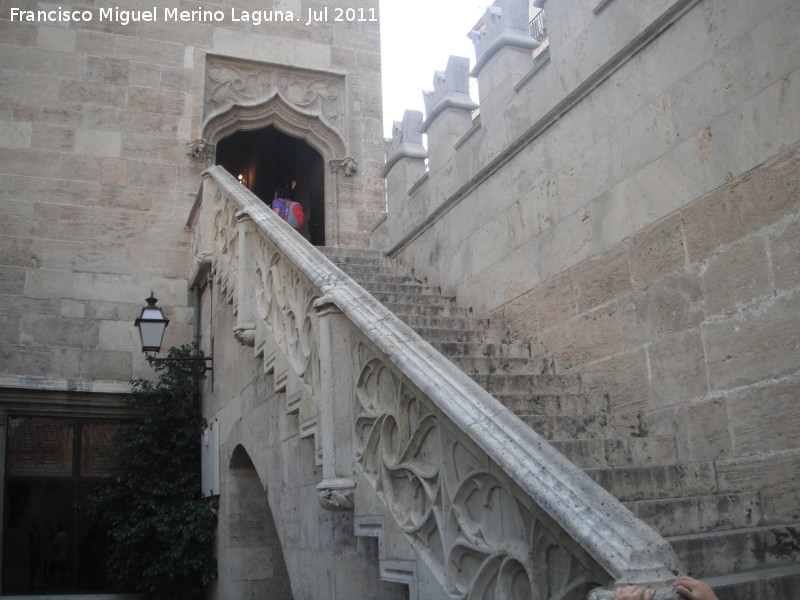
{"x": 96, "y": 118}
{"x": 630, "y": 204}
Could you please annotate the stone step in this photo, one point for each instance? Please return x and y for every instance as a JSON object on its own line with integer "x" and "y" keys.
{"x": 486, "y": 350}
{"x": 429, "y": 310}
{"x": 422, "y": 299}
{"x": 580, "y": 427}
{"x": 482, "y": 364}
{"x": 455, "y": 336}
{"x": 777, "y": 583}
{"x": 637, "y": 483}
{"x": 736, "y": 550}
{"x": 696, "y": 514}
{"x": 366, "y": 281}
{"x": 347, "y": 252}
{"x": 368, "y": 271}
{"x": 350, "y": 262}
{"x": 408, "y": 288}
{"x": 418, "y": 321}
{"x": 678, "y": 500}
{"x": 602, "y": 453}
{"x": 558, "y": 403}
{"x": 529, "y": 383}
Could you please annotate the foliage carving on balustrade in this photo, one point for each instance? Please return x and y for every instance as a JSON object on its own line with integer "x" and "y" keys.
{"x": 285, "y": 303}
{"x": 459, "y": 511}
{"x": 225, "y": 234}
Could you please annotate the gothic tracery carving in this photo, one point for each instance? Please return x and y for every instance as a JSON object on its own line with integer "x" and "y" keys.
{"x": 285, "y": 302}
{"x": 460, "y": 515}
{"x": 225, "y": 234}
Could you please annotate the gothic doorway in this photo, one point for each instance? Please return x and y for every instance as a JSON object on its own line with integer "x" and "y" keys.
{"x": 268, "y": 159}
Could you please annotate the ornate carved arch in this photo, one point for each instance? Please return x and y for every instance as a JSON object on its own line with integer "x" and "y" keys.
{"x": 278, "y": 113}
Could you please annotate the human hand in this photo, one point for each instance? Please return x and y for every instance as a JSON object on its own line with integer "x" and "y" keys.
{"x": 693, "y": 589}
{"x": 633, "y": 592}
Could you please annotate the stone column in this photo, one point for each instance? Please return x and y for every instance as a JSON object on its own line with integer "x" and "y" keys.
{"x": 335, "y": 405}
{"x": 245, "y": 329}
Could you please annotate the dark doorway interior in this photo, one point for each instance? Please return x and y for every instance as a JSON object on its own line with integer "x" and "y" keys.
{"x": 52, "y": 466}
{"x": 268, "y": 159}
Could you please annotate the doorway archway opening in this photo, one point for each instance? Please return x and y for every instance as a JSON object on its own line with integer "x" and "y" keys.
{"x": 267, "y": 160}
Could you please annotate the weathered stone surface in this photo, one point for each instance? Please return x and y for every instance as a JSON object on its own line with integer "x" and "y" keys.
{"x": 764, "y": 419}
{"x": 785, "y": 257}
{"x": 761, "y": 343}
{"x": 737, "y": 277}
{"x": 591, "y": 336}
{"x": 600, "y": 281}
{"x": 707, "y": 434}
{"x": 624, "y": 377}
{"x": 657, "y": 251}
{"x": 668, "y": 305}
{"x": 677, "y": 368}
{"x": 759, "y": 199}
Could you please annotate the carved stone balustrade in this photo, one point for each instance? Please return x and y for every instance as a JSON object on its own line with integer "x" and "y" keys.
{"x": 487, "y": 505}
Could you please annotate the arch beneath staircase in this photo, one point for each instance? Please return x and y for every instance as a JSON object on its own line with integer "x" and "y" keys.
{"x": 255, "y": 563}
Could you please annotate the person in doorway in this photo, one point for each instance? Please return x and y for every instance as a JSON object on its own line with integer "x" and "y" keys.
{"x": 687, "y": 587}
{"x": 280, "y": 202}
{"x": 287, "y": 209}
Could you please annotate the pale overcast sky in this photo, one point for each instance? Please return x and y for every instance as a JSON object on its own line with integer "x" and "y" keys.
{"x": 417, "y": 37}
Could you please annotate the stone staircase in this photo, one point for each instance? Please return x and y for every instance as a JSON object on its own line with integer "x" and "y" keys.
{"x": 719, "y": 537}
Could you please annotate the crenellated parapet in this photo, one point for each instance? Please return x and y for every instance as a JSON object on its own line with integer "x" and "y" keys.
{"x": 406, "y": 140}
{"x": 450, "y": 90}
{"x": 504, "y": 28}
{"x": 405, "y": 157}
{"x": 448, "y": 110}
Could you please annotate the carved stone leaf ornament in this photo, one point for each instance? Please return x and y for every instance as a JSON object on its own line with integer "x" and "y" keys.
{"x": 398, "y": 444}
{"x": 318, "y": 95}
{"x": 234, "y": 82}
{"x": 229, "y": 83}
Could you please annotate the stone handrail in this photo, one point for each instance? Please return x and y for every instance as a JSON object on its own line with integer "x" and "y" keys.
{"x": 509, "y": 501}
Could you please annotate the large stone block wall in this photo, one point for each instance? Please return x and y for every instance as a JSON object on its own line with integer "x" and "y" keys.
{"x": 96, "y": 183}
{"x": 635, "y": 213}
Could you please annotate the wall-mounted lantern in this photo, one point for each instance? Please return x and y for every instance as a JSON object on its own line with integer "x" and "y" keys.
{"x": 151, "y": 324}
